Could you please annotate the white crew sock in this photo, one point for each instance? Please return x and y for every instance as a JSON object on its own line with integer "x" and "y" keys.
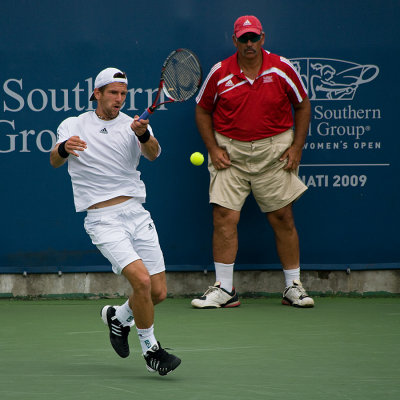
{"x": 124, "y": 314}
{"x": 291, "y": 275}
{"x": 224, "y": 274}
{"x": 147, "y": 338}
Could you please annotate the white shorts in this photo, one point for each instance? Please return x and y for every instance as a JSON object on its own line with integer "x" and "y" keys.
{"x": 125, "y": 233}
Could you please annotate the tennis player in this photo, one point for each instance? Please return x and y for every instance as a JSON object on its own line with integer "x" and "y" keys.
{"x": 244, "y": 114}
{"x": 103, "y": 148}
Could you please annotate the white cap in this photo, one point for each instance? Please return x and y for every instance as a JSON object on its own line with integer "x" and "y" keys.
{"x": 108, "y": 75}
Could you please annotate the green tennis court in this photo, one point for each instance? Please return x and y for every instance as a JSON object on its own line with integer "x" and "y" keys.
{"x": 344, "y": 348}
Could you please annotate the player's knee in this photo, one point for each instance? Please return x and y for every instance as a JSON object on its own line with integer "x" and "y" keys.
{"x": 159, "y": 295}
{"x": 139, "y": 279}
{"x": 142, "y": 284}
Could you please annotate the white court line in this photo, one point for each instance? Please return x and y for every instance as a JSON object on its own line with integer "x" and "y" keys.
{"x": 121, "y": 390}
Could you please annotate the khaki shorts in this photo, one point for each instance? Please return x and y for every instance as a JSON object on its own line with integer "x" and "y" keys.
{"x": 125, "y": 233}
{"x": 255, "y": 168}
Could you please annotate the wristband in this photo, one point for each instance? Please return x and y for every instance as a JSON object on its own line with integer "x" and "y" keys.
{"x": 145, "y": 137}
{"x": 61, "y": 150}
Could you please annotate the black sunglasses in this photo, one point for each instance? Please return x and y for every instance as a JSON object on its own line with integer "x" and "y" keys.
{"x": 246, "y": 37}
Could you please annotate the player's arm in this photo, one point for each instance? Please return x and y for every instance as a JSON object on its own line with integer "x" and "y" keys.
{"x": 148, "y": 143}
{"x": 219, "y": 156}
{"x": 302, "y": 116}
{"x": 61, "y": 151}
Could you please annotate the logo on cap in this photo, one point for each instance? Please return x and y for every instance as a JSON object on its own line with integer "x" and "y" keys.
{"x": 247, "y": 23}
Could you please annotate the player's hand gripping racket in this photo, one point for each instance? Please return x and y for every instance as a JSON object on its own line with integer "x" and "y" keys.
{"x": 181, "y": 77}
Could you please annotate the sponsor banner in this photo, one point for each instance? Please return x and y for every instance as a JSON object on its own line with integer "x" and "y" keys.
{"x": 345, "y": 126}
{"x": 350, "y": 161}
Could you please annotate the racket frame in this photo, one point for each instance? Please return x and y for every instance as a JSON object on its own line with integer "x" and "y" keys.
{"x": 150, "y": 110}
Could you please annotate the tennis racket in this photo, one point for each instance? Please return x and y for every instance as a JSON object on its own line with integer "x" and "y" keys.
{"x": 181, "y": 77}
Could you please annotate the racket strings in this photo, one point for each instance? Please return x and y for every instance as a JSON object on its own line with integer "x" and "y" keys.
{"x": 182, "y": 76}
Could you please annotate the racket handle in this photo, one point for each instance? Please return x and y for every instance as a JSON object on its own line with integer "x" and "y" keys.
{"x": 145, "y": 114}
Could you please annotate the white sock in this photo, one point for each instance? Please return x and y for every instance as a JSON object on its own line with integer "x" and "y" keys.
{"x": 147, "y": 338}
{"x": 124, "y": 314}
{"x": 224, "y": 274}
{"x": 291, "y": 275}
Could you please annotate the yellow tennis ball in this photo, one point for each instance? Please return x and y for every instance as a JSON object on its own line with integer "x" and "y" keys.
{"x": 197, "y": 158}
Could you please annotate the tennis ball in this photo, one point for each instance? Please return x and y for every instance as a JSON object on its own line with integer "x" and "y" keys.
{"x": 197, "y": 158}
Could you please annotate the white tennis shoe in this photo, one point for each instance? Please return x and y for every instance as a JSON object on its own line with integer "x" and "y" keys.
{"x": 217, "y": 297}
{"x": 296, "y": 296}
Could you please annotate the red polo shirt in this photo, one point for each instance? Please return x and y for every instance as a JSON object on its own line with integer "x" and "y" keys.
{"x": 245, "y": 111}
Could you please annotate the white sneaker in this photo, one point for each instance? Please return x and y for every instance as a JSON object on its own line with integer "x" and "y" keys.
{"x": 296, "y": 296}
{"x": 216, "y": 297}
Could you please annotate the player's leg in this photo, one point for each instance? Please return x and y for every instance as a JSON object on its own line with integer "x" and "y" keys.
{"x": 287, "y": 245}
{"x": 138, "y": 309}
{"x": 120, "y": 318}
{"x": 154, "y": 290}
{"x": 140, "y": 300}
{"x": 157, "y": 359}
{"x": 225, "y": 246}
{"x": 124, "y": 312}
{"x": 158, "y": 287}
{"x": 114, "y": 240}
{"x": 114, "y": 243}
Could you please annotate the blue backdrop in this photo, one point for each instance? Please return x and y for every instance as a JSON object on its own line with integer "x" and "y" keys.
{"x": 346, "y": 52}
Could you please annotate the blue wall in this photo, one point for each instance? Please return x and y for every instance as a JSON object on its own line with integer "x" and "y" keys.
{"x": 347, "y": 53}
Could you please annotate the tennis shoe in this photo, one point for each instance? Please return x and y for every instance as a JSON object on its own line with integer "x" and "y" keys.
{"x": 217, "y": 297}
{"x": 159, "y": 360}
{"x": 296, "y": 296}
{"x": 118, "y": 332}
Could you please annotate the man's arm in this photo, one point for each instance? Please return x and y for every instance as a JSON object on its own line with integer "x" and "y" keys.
{"x": 219, "y": 156}
{"x": 73, "y": 144}
{"x": 302, "y": 116}
{"x": 150, "y": 148}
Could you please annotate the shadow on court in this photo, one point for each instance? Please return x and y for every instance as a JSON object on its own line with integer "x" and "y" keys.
{"x": 344, "y": 348}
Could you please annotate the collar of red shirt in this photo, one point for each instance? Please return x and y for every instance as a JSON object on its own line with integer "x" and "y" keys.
{"x": 235, "y": 68}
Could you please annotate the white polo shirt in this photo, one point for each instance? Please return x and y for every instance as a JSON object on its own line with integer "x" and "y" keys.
{"x": 107, "y": 168}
